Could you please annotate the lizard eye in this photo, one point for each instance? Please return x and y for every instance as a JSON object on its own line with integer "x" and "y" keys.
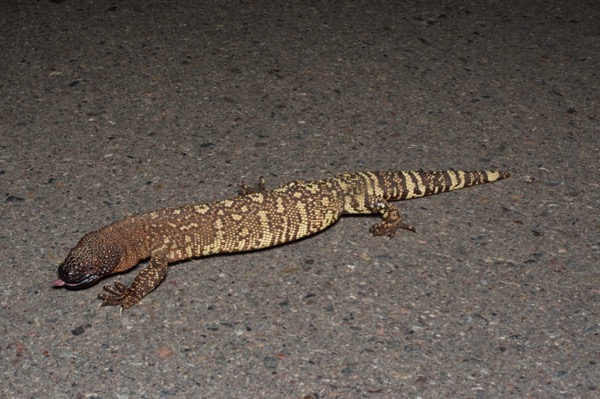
{"x": 87, "y": 267}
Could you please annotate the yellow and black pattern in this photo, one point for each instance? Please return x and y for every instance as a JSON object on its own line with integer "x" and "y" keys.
{"x": 249, "y": 221}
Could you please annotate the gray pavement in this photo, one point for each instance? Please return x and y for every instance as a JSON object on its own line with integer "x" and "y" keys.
{"x": 114, "y": 108}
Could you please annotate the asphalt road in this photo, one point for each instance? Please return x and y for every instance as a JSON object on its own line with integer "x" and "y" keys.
{"x": 111, "y": 108}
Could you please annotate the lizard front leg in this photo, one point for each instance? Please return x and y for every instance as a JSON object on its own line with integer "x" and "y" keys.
{"x": 392, "y": 220}
{"x": 146, "y": 280}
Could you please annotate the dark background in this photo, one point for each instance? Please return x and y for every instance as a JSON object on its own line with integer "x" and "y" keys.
{"x": 116, "y": 107}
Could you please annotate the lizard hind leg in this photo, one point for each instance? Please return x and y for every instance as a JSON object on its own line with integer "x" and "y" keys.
{"x": 392, "y": 220}
{"x": 245, "y": 190}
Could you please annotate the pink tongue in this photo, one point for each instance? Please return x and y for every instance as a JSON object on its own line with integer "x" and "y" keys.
{"x": 58, "y": 283}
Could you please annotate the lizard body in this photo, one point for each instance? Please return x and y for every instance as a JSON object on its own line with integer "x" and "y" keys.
{"x": 250, "y": 221}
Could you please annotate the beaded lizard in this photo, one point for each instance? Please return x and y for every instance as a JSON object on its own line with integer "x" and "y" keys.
{"x": 250, "y": 221}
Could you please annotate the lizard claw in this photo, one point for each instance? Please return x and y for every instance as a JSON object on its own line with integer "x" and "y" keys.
{"x": 389, "y": 228}
{"x": 392, "y": 220}
{"x": 120, "y": 295}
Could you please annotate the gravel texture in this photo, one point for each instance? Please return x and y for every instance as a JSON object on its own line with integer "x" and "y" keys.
{"x": 116, "y": 107}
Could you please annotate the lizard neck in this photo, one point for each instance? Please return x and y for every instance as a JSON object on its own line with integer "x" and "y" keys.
{"x": 131, "y": 236}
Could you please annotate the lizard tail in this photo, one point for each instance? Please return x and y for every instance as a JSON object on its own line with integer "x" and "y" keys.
{"x": 397, "y": 186}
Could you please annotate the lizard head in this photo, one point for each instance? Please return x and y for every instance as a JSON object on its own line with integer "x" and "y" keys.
{"x": 89, "y": 261}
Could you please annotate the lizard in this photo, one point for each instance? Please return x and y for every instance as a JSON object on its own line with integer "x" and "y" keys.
{"x": 255, "y": 219}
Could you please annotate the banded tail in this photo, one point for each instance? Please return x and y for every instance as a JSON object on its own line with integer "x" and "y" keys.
{"x": 397, "y": 186}
{"x": 373, "y": 192}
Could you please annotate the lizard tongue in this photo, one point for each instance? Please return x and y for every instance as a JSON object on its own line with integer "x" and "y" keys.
{"x": 58, "y": 283}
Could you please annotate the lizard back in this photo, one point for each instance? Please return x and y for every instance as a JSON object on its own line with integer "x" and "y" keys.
{"x": 292, "y": 211}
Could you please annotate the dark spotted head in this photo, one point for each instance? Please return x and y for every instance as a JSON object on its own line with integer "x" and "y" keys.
{"x": 89, "y": 261}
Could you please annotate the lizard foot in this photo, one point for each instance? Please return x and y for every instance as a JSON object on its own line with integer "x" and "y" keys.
{"x": 392, "y": 220}
{"x": 120, "y": 295}
{"x": 389, "y": 228}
